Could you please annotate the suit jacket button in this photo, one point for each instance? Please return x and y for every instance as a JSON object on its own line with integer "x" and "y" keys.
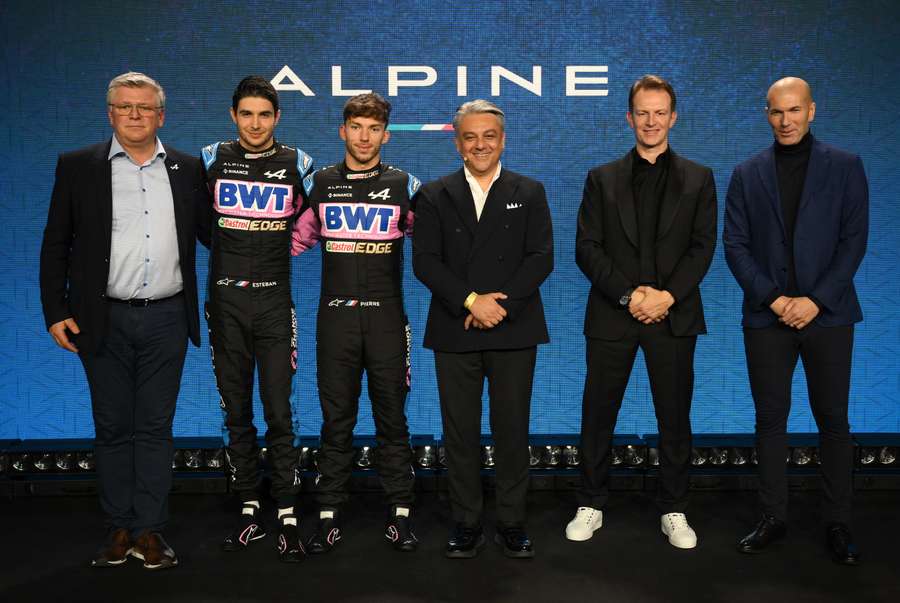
{"x": 499, "y": 258}
{"x": 506, "y": 226}
{"x": 459, "y": 230}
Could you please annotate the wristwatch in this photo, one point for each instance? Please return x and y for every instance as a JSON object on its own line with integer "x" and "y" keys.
{"x": 626, "y": 298}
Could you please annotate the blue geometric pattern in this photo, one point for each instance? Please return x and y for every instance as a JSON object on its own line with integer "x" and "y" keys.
{"x": 57, "y": 59}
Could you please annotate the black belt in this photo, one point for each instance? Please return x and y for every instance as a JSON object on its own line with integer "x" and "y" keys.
{"x": 142, "y": 302}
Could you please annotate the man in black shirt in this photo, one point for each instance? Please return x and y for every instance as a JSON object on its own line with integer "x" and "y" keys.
{"x": 646, "y": 234}
{"x": 796, "y": 223}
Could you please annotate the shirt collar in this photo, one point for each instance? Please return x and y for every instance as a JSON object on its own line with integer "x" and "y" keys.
{"x": 661, "y": 160}
{"x": 116, "y": 149}
{"x": 473, "y": 182}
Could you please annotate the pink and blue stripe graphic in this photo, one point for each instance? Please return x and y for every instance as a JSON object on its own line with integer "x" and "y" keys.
{"x": 420, "y": 127}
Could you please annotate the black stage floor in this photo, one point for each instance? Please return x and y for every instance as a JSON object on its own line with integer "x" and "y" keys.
{"x": 48, "y": 542}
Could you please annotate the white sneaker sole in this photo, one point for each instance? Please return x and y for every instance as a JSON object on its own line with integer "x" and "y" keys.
{"x": 582, "y": 538}
{"x": 677, "y": 545}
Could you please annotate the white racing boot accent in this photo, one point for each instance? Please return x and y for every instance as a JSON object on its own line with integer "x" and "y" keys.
{"x": 587, "y": 520}
{"x": 681, "y": 534}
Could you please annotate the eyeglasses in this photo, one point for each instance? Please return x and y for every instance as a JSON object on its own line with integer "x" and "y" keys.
{"x": 126, "y": 109}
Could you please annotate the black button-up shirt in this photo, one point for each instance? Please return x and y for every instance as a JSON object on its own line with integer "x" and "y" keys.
{"x": 648, "y": 184}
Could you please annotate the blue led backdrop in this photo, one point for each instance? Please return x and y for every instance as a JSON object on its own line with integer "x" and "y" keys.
{"x": 561, "y": 71}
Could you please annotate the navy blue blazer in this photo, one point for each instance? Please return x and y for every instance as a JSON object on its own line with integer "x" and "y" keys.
{"x": 829, "y": 236}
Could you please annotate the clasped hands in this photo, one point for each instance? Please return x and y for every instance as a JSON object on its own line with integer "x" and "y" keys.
{"x": 649, "y": 305}
{"x": 485, "y": 312}
{"x": 795, "y": 312}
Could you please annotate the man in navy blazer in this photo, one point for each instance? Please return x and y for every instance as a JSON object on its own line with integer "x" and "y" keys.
{"x": 483, "y": 244}
{"x": 118, "y": 287}
{"x": 796, "y": 223}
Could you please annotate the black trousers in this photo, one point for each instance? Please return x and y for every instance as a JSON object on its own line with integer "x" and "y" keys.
{"x": 670, "y": 366}
{"x": 352, "y": 336}
{"x": 255, "y": 327}
{"x": 772, "y": 354}
{"x": 460, "y": 378}
{"x": 134, "y": 380}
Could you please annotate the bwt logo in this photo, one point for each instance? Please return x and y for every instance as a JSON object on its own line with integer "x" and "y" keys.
{"x": 580, "y": 80}
{"x": 253, "y": 199}
{"x": 360, "y": 220}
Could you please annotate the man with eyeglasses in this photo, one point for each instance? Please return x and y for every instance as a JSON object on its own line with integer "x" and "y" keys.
{"x": 257, "y": 187}
{"x": 118, "y": 288}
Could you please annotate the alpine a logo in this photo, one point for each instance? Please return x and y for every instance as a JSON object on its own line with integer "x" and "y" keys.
{"x": 253, "y": 199}
{"x": 384, "y": 195}
{"x": 359, "y": 220}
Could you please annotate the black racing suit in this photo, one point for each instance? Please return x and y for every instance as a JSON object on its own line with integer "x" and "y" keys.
{"x": 361, "y": 218}
{"x": 249, "y": 310}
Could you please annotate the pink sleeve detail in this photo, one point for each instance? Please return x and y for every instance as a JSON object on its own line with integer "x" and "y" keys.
{"x": 410, "y": 218}
{"x": 306, "y": 232}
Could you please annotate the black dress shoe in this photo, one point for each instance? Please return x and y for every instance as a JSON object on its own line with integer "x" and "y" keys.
{"x": 465, "y": 542}
{"x": 840, "y": 544}
{"x": 515, "y": 542}
{"x": 767, "y": 531}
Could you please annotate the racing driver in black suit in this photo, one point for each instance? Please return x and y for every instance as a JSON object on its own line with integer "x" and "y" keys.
{"x": 258, "y": 191}
{"x": 360, "y": 210}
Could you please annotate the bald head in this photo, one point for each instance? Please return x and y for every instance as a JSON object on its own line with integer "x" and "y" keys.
{"x": 790, "y": 109}
{"x": 790, "y": 85}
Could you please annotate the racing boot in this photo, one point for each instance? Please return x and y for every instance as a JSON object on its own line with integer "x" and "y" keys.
{"x": 398, "y": 530}
{"x": 327, "y": 534}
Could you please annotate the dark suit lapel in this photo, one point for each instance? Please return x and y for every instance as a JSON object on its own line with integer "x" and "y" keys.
{"x": 671, "y": 200}
{"x": 769, "y": 179}
{"x": 625, "y": 198}
{"x": 461, "y": 195}
{"x": 494, "y": 207}
{"x": 816, "y": 173}
{"x": 180, "y": 197}
{"x": 103, "y": 179}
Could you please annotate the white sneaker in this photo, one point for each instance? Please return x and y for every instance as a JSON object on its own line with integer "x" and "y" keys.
{"x": 681, "y": 535}
{"x": 587, "y": 520}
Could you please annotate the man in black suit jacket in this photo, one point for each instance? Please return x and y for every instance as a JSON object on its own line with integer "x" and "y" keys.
{"x": 483, "y": 244}
{"x": 646, "y": 234}
{"x": 118, "y": 287}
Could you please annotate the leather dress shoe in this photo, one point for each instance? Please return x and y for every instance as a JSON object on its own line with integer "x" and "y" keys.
{"x": 768, "y": 530}
{"x": 840, "y": 544}
{"x": 465, "y": 542}
{"x": 114, "y": 550}
{"x": 152, "y": 549}
{"x": 515, "y": 542}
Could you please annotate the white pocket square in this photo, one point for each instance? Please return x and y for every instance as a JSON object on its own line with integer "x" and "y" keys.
{"x": 513, "y": 205}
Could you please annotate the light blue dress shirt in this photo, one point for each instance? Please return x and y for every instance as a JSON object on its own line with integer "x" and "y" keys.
{"x": 143, "y": 260}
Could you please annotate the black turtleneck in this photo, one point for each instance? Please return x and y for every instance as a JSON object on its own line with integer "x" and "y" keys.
{"x": 791, "y": 162}
{"x": 648, "y": 185}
